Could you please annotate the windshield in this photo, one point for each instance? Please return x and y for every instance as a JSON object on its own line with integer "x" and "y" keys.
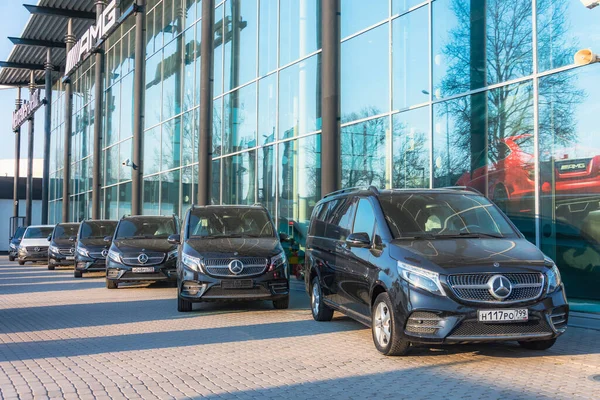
{"x": 65, "y": 231}
{"x": 230, "y": 222}
{"x": 19, "y": 233}
{"x": 141, "y": 228}
{"x": 38, "y": 232}
{"x": 97, "y": 229}
{"x": 440, "y": 215}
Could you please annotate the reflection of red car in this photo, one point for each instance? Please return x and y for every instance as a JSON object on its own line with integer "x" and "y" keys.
{"x": 510, "y": 178}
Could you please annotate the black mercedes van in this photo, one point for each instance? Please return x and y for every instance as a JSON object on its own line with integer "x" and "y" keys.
{"x": 431, "y": 266}
{"x": 230, "y": 253}
{"x": 14, "y": 242}
{"x": 92, "y": 249}
{"x": 61, "y": 251}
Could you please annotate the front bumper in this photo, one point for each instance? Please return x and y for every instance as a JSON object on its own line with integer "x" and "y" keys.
{"x": 88, "y": 264}
{"x": 60, "y": 261}
{"x": 166, "y": 271}
{"x": 195, "y": 286}
{"x": 439, "y": 320}
{"x": 41, "y": 256}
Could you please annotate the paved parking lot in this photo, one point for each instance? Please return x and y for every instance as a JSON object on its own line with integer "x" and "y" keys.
{"x": 62, "y": 337}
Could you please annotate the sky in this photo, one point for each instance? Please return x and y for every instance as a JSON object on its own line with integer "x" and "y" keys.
{"x": 14, "y": 18}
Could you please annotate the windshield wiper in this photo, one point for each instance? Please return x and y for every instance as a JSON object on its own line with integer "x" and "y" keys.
{"x": 417, "y": 237}
{"x": 471, "y": 235}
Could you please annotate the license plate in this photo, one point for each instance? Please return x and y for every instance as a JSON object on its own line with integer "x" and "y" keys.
{"x": 70, "y": 258}
{"x": 237, "y": 284}
{"x": 518, "y": 315}
{"x": 142, "y": 270}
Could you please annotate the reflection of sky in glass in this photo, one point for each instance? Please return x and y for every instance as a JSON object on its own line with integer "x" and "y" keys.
{"x": 360, "y": 14}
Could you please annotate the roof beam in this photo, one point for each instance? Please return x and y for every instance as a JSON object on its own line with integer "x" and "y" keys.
{"x": 37, "y": 42}
{"x": 59, "y": 12}
{"x": 8, "y": 64}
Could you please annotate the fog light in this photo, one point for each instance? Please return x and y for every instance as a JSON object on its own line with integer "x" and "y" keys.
{"x": 112, "y": 273}
{"x": 193, "y": 288}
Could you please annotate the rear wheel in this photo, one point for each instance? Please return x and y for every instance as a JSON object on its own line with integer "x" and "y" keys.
{"x": 77, "y": 274}
{"x": 538, "y": 344}
{"x": 21, "y": 262}
{"x": 388, "y": 339}
{"x": 110, "y": 284}
{"x": 282, "y": 304}
{"x": 320, "y": 311}
{"x": 51, "y": 267}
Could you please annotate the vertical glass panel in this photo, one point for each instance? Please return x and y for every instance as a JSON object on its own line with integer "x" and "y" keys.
{"x": 299, "y": 98}
{"x": 365, "y": 79}
{"x": 171, "y": 144}
{"x": 172, "y": 78}
{"x": 267, "y": 109}
{"x": 563, "y": 28}
{"x": 240, "y": 119}
{"x": 150, "y": 33}
{"x": 169, "y": 193}
{"x": 151, "y": 195}
{"x": 115, "y": 74}
{"x": 158, "y": 27}
{"x": 401, "y": 6}
{"x": 570, "y": 178}
{"x": 359, "y": 14}
{"x": 240, "y": 50}
{"x": 151, "y": 155}
{"x": 198, "y": 56}
{"x": 125, "y": 154}
{"x": 190, "y": 133}
{"x": 113, "y": 106}
{"x": 410, "y": 61}
{"x": 191, "y": 7}
{"x": 239, "y": 177}
{"x": 124, "y": 199}
{"x": 476, "y": 47}
{"x": 485, "y": 141}
{"x": 267, "y": 177}
{"x": 298, "y": 29}
{"x": 215, "y": 190}
{"x": 111, "y": 210}
{"x": 217, "y": 52}
{"x": 127, "y": 107}
{"x": 112, "y": 165}
{"x": 189, "y": 59}
{"x": 410, "y": 149}
{"x": 267, "y": 52}
{"x": 153, "y": 100}
{"x": 299, "y": 186}
{"x": 363, "y": 153}
{"x": 217, "y": 128}
{"x": 186, "y": 189}
{"x": 171, "y": 21}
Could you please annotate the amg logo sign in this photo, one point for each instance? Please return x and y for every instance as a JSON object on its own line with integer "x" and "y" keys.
{"x": 568, "y": 167}
{"x": 92, "y": 36}
{"x": 27, "y": 110}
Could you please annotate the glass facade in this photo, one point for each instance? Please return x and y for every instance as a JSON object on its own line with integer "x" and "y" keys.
{"x": 434, "y": 93}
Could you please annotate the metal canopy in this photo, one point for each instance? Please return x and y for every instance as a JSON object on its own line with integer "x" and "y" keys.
{"x": 35, "y": 67}
{"x": 37, "y": 42}
{"x": 44, "y": 27}
{"x": 62, "y": 12}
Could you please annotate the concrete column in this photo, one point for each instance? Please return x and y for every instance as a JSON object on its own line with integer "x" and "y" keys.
{"x": 29, "y": 184}
{"x": 206, "y": 91}
{"x": 98, "y": 95}
{"x": 138, "y": 107}
{"x": 18, "y": 102}
{"x": 70, "y": 40}
{"x": 330, "y": 96}
{"x": 47, "y": 129}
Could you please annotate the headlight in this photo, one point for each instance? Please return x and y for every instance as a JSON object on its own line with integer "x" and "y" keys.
{"x": 115, "y": 256}
{"x": 53, "y": 249}
{"x": 172, "y": 254}
{"x": 421, "y": 278}
{"x": 83, "y": 252}
{"x": 277, "y": 261}
{"x": 553, "y": 276}
{"x": 22, "y": 249}
{"x": 193, "y": 263}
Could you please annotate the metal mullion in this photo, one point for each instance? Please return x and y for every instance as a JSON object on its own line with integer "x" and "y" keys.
{"x": 345, "y": 124}
{"x": 376, "y": 25}
{"x": 276, "y": 135}
{"x": 413, "y": 8}
{"x": 430, "y": 44}
{"x": 536, "y": 133}
{"x": 256, "y": 93}
{"x": 389, "y": 162}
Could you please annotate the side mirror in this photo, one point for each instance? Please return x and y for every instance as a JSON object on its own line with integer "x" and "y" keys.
{"x": 49, "y": 238}
{"x": 72, "y": 238}
{"x": 283, "y": 237}
{"x": 174, "y": 239}
{"x": 107, "y": 239}
{"x": 359, "y": 239}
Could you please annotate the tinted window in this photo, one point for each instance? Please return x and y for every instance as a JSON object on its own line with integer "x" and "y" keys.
{"x": 365, "y": 218}
{"x": 443, "y": 214}
{"x": 340, "y": 220}
{"x": 317, "y": 228}
{"x": 38, "y": 232}
{"x": 19, "y": 233}
{"x": 230, "y": 222}
{"x": 97, "y": 229}
{"x": 146, "y": 228}
{"x": 65, "y": 231}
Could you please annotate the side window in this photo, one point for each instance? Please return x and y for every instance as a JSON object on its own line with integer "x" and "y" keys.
{"x": 339, "y": 222}
{"x": 317, "y": 227}
{"x": 365, "y": 218}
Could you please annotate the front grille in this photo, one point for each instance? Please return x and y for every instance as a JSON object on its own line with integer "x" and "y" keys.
{"x": 474, "y": 287}
{"x": 96, "y": 254}
{"x": 154, "y": 258}
{"x": 220, "y": 266}
{"x": 66, "y": 251}
{"x": 478, "y": 329}
{"x": 41, "y": 249}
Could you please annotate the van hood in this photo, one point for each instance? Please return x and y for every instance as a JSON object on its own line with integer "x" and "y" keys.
{"x": 63, "y": 243}
{"x": 234, "y": 247}
{"x": 467, "y": 255}
{"x": 136, "y": 245}
{"x": 93, "y": 243}
{"x": 42, "y": 242}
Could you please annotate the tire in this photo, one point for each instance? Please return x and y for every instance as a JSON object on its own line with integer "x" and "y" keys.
{"x": 77, "y": 274}
{"x": 320, "y": 311}
{"x": 11, "y": 258}
{"x": 538, "y": 344}
{"x": 282, "y": 304}
{"x": 21, "y": 262}
{"x": 51, "y": 267}
{"x": 110, "y": 284}
{"x": 183, "y": 305}
{"x": 387, "y": 336}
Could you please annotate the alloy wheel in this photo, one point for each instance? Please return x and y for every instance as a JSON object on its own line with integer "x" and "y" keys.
{"x": 382, "y": 324}
{"x": 316, "y": 298}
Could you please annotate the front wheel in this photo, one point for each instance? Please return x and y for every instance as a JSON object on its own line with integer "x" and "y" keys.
{"x": 320, "y": 311}
{"x": 110, "y": 284}
{"x": 21, "y": 262}
{"x": 51, "y": 267}
{"x": 11, "y": 258}
{"x": 77, "y": 274}
{"x": 388, "y": 339}
{"x": 183, "y": 305}
{"x": 538, "y": 344}
{"x": 282, "y": 304}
